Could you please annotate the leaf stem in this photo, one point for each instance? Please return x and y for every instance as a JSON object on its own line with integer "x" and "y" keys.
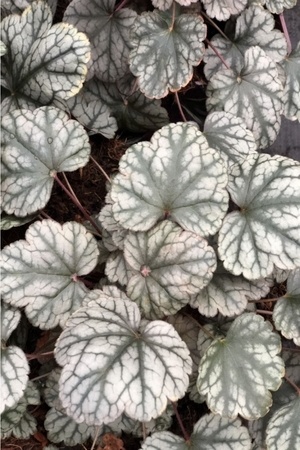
{"x": 217, "y": 53}
{"x": 204, "y": 16}
{"x": 179, "y": 107}
{"x": 264, "y": 300}
{"x": 44, "y": 215}
{"x": 96, "y": 437}
{"x": 292, "y": 384}
{"x": 70, "y": 187}
{"x": 286, "y": 33}
{"x": 184, "y": 432}
{"x": 40, "y": 376}
{"x": 32, "y": 356}
{"x": 121, "y": 5}
{"x": 173, "y": 16}
{"x": 101, "y": 169}
{"x": 264, "y": 311}
{"x": 78, "y": 204}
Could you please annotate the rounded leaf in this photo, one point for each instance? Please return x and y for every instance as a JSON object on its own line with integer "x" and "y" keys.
{"x": 10, "y": 317}
{"x": 265, "y": 231}
{"x": 43, "y": 63}
{"x": 223, "y": 9}
{"x": 278, "y": 6}
{"x": 283, "y": 430}
{"x": 164, "y": 51}
{"x": 238, "y": 371}
{"x": 233, "y": 91}
{"x": 169, "y": 266}
{"x": 175, "y": 175}
{"x": 114, "y": 363}
{"x": 37, "y": 145}
{"x": 41, "y": 273}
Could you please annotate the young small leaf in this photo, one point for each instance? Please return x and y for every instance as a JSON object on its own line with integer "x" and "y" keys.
{"x": 164, "y": 51}
{"x": 254, "y": 94}
{"x": 10, "y": 317}
{"x": 169, "y": 266}
{"x": 127, "y": 365}
{"x": 223, "y": 9}
{"x": 286, "y": 314}
{"x": 278, "y": 6}
{"x": 265, "y": 231}
{"x": 291, "y": 93}
{"x": 41, "y": 273}
{"x": 37, "y": 145}
{"x": 43, "y": 63}
{"x": 175, "y": 175}
{"x": 237, "y": 372}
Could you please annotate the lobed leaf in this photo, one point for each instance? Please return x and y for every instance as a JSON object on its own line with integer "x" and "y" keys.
{"x": 114, "y": 363}
{"x": 278, "y": 6}
{"x": 43, "y": 63}
{"x": 254, "y": 94}
{"x": 175, "y": 175}
{"x": 237, "y": 372}
{"x": 41, "y": 273}
{"x": 37, "y": 145}
{"x": 223, "y": 9}
{"x": 265, "y": 230}
{"x": 164, "y": 51}
{"x": 283, "y": 430}
{"x": 291, "y": 93}
{"x": 169, "y": 266}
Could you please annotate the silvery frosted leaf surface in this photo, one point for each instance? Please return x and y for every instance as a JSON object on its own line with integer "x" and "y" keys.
{"x": 109, "y": 223}
{"x": 114, "y": 362}
{"x": 283, "y": 430}
{"x": 137, "y": 428}
{"x": 108, "y": 31}
{"x": 62, "y": 428}
{"x": 93, "y": 114}
{"x": 164, "y": 51}
{"x": 255, "y": 26}
{"x": 228, "y": 294}
{"x": 278, "y": 6}
{"x": 210, "y": 433}
{"x": 26, "y": 427}
{"x": 13, "y": 377}
{"x": 43, "y": 62}
{"x": 18, "y": 6}
{"x": 229, "y": 135}
{"x": 254, "y": 94}
{"x": 9, "y": 221}
{"x": 3, "y": 48}
{"x": 265, "y": 230}
{"x": 175, "y": 175}
{"x": 10, "y": 317}
{"x": 291, "y": 93}
{"x": 130, "y": 107}
{"x": 169, "y": 267}
{"x": 286, "y": 313}
{"x": 253, "y": 370}
{"x": 41, "y": 273}
{"x": 117, "y": 269}
{"x": 37, "y": 145}
{"x": 223, "y": 9}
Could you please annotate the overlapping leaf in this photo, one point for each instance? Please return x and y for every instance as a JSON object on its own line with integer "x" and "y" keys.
{"x": 108, "y": 31}
{"x": 254, "y": 94}
{"x": 125, "y": 365}
{"x": 286, "y": 314}
{"x": 37, "y": 145}
{"x": 18, "y": 6}
{"x": 175, "y": 175}
{"x": 132, "y": 110}
{"x": 43, "y": 63}
{"x": 41, "y": 273}
{"x": 229, "y": 135}
{"x": 291, "y": 94}
{"x": 10, "y": 317}
{"x": 265, "y": 231}
{"x": 283, "y": 430}
{"x": 237, "y": 377}
{"x": 223, "y": 9}
{"x": 166, "y": 4}
{"x": 164, "y": 51}
{"x": 210, "y": 433}
{"x": 255, "y": 26}
{"x": 228, "y": 294}
{"x": 169, "y": 267}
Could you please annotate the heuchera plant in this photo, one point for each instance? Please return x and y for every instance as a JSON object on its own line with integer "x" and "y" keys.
{"x": 198, "y": 224}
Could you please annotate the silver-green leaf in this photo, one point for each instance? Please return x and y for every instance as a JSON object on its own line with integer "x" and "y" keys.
{"x": 254, "y": 93}
{"x": 43, "y": 63}
{"x": 114, "y": 362}
{"x": 164, "y": 51}
{"x": 223, "y": 9}
{"x": 175, "y": 175}
{"x": 291, "y": 94}
{"x": 42, "y": 272}
{"x": 283, "y": 430}
{"x": 36, "y": 146}
{"x": 238, "y": 371}
{"x": 278, "y": 6}
{"x": 265, "y": 230}
{"x": 169, "y": 266}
